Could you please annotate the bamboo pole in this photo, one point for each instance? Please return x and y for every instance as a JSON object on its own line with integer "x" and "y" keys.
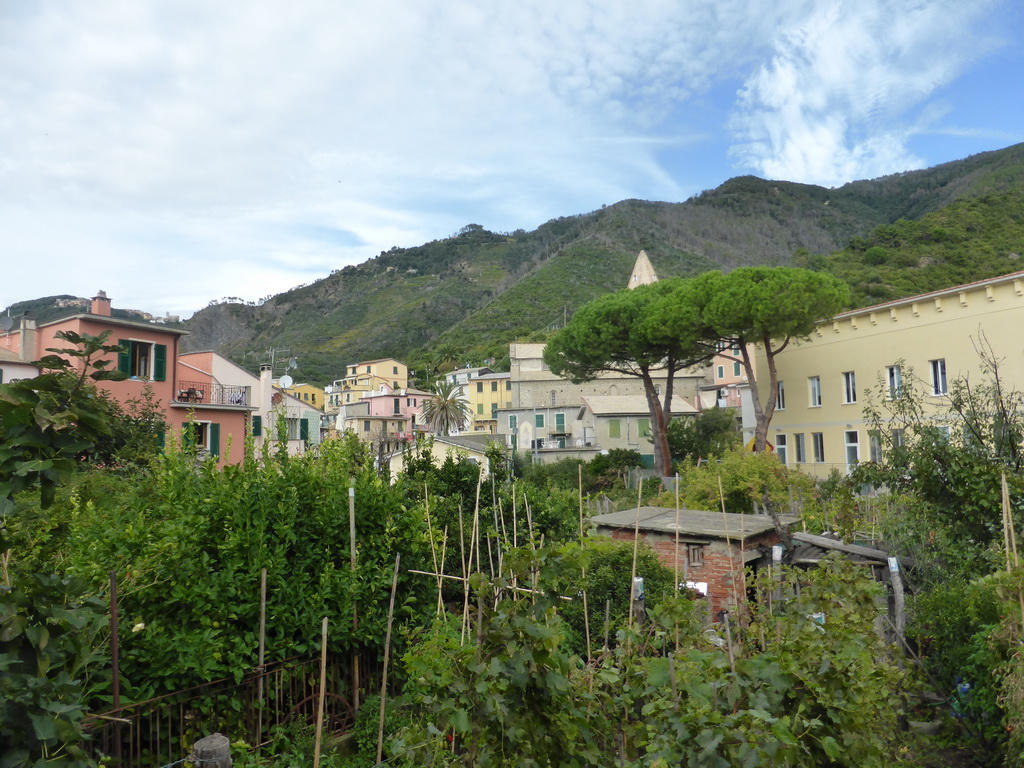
{"x": 323, "y": 695}
{"x": 465, "y": 583}
{"x": 583, "y": 568}
{"x": 636, "y": 546}
{"x": 459, "y": 578}
{"x": 387, "y": 654}
{"x": 433, "y": 549}
{"x": 728, "y": 545}
{"x": 444, "y": 551}
{"x": 262, "y": 649}
{"x": 355, "y": 601}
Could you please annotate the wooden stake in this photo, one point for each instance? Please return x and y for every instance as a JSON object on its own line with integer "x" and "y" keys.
{"x": 636, "y": 546}
{"x": 583, "y": 568}
{"x": 433, "y": 549}
{"x": 444, "y": 550}
{"x": 262, "y": 648}
{"x": 355, "y": 602}
{"x": 728, "y": 545}
{"x": 387, "y": 654}
{"x": 465, "y": 582}
{"x": 323, "y": 695}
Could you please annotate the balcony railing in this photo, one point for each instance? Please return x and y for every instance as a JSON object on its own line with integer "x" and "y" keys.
{"x": 206, "y": 393}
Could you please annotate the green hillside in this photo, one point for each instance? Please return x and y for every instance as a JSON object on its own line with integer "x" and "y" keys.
{"x": 478, "y": 290}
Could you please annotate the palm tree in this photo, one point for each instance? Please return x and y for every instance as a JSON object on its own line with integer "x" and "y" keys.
{"x": 445, "y": 411}
{"x": 446, "y": 357}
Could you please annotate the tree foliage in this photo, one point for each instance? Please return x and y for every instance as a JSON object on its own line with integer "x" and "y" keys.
{"x": 445, "y": 411}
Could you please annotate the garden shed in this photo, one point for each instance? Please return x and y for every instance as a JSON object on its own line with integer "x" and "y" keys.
{"x": 713, "y": 548}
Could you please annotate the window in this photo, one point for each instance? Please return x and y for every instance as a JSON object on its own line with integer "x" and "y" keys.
{"x": 479, "y": 409}
{"x": 875, "y": 447}
{"x": 366, "y": 426}
{"x": 398, "y": 405}
{"x": 695, "y": 555}
{"x": 479, "y": 386}
{"x": 643, "y": 427}
{"x": 201, "y": 436}
{"x": 849, "y": 387}
{"x": 938, "y": 376}
{"x": 736, "y": 369}
{"x": 721, "y": 372}
{"x": 780, "y": 396}
{"x": 818, "y": 440}
{"x": 508, "y": 385}
{"x": 368, "y": 369}
{"x": 553, "y": 396}
{"x": 143, "y": 360}
{"x": 894, "y": 378}
{"x": 538, "y": 421}
{"x": 394, "y": 370}
{"x": 814, "y": 384}
{"x": 513, "y": 422}
{"x": 852, "y": 448}
{"x": 560, "y": 422}
{"x": 352, "y": 371}
{"x": 614, "y": 428}
{"x": 898, "y": 438}
{"x": 780, "y": 448}
{"x": 801, "y": 451}
{"x": 494, "y": 410}
{"x": 494, "y": 386}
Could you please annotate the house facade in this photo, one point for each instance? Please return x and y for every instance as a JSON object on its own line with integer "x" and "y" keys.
{"x": 364, "y": 377}
{"x": 208, "y": 416}
{"x": 549, "y": 418}
{"x": 486, "y": 395}
{"x": 929, "y": 340}
{"x": 228, "y": 381}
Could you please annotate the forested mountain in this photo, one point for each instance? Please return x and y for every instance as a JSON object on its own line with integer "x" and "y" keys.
{"x": 889, "y": 237}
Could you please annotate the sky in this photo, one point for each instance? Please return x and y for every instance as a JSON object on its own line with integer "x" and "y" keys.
{"x": 178, "y": 152}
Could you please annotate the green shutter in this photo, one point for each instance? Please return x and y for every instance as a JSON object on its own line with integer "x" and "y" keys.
{"x": 215, "y": 439}
{"x": 160, "y": 362}
{"x": 124, "y": 358}
{"x": 257, "y": 425}
{"x": 161, "y": 438}
{"x": 614, "y": 430}
{"x": 304, "y": 430}
{"x": 644, "y": 426}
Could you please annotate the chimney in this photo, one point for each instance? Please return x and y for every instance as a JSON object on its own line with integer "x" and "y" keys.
{"x": 100, "y": 304}
{"x": 266, "y": 392}
{"x": 27, "y": 342}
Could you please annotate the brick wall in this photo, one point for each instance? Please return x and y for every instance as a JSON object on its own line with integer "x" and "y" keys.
{"x": 721, "y": 567}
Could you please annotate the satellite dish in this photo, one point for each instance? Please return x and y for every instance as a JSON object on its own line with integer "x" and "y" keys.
{"x": 285, "y": 381}
{"x": 6, "y": 323}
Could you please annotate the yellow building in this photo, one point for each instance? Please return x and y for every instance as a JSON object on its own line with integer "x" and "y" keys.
{"x": 367, "y": 376}
{"x": 487, "y": 394}
{"x": 826, "y": 380}
{"x": 307, "y": 393}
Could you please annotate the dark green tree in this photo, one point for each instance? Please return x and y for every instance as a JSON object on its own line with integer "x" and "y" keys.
{"x": 648, "y": 332}
{"x": 769, "y": 306}
{"x": 710, "y": 433}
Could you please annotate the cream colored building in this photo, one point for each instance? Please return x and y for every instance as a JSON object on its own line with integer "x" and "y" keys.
{"x": 548, "y": 416}
{"x": 364, "y": 377}
{"x": 931, "y": 339}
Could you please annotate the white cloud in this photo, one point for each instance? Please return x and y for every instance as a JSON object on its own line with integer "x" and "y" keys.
{"x": 835, "y": 101}
{"x": 208, "y": 149}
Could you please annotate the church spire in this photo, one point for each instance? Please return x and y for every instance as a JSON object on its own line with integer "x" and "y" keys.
{"x": 643, "y": 271}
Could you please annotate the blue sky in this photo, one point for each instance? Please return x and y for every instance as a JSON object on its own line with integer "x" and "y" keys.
{"x": 173, "y": 152}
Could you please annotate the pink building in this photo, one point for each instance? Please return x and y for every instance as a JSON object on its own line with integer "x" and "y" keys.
{"x": 150, "y": 358}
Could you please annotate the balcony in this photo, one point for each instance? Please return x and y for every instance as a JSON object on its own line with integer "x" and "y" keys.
{"x": 206, "y": 393}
